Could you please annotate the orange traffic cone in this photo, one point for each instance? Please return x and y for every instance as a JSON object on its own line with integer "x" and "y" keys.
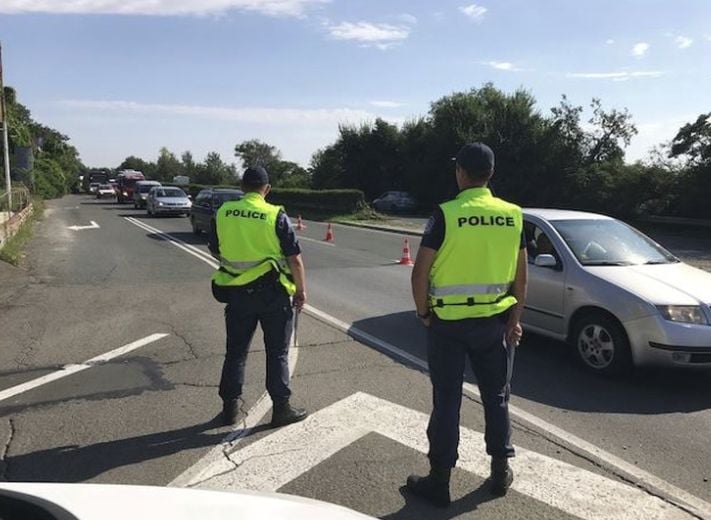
{"x": 329, "y": 233}
{"x": 406, "y": 259}
{"x": 300, "y": 224}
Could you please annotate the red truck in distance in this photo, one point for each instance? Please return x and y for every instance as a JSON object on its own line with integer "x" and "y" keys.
{"x": 126, "y": 183}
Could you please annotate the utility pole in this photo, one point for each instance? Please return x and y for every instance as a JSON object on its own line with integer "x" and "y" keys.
{"x": 6, "y": 146}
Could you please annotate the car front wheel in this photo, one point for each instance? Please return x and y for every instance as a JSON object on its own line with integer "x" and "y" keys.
{"x": 601, "y": 344}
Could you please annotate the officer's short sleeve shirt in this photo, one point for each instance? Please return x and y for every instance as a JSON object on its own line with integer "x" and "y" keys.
{"x": 433, "y": 236}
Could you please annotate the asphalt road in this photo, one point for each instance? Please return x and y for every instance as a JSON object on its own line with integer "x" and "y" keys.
{"x": 147, "y": 416}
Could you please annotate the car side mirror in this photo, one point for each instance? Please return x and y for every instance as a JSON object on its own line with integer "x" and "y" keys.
{"x": 545, "y": 261}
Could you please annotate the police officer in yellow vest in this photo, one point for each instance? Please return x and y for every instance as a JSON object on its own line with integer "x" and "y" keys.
{"x": 469, "y": 286}
{"x": 260, "y": 270}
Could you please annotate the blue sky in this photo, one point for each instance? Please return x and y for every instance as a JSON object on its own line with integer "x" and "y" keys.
{"x": 124, "y": 77}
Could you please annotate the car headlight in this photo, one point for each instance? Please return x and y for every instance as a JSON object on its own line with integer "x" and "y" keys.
{"x": 160, "y": 203}
{"x": 683, "y": 314}
{"x": 125, "y": 194}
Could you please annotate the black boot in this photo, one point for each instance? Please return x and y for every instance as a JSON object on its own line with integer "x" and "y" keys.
{"x": 434, "y": 487}
{"x": 230, "y": 411}
{"x": 284, "y": 414}
{"x": 501, "y": 476}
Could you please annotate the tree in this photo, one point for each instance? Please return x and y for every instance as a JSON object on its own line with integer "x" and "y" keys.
{"x": 189, "y": 166}
{"x": 257, "y": 153}
{"x": 693, "y": 141}
{"x": 167, "y": 166}
{"x": 214, "y": 170}
{"x": 609, "y": 130}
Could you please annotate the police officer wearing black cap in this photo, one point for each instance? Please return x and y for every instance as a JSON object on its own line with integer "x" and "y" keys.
{"x": 260, "y": 270}
{"x": 469, "y": 287}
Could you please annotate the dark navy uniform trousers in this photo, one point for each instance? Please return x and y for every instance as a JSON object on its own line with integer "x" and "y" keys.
{"x": 450, "y": 343}
{"x": 269, "y": 305}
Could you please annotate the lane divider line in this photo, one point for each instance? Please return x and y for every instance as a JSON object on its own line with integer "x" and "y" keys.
{"x": 315, "y": 241}
{"x": 68, "y": 370}
{"x": 640, "y": 477}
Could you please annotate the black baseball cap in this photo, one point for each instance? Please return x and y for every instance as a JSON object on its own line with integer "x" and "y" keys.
{"x": 256, "y": 176}
{"x": 475, "y": 158}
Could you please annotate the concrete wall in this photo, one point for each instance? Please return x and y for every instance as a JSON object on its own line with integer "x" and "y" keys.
{"x": 9, "y": 227}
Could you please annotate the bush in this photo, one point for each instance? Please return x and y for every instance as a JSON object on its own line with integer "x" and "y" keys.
{"x": 342, "y": 201}
{"x": 50, "y": 182}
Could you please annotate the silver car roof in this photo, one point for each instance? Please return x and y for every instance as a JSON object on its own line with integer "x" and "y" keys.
{"x": 563, "y": 214}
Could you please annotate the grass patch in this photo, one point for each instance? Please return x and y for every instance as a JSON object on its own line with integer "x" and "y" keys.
{"x": 13, "y": 250}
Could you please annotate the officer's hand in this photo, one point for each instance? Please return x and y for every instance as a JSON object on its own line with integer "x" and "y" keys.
{"x": 426, "y": 321}
{"x": 514, "y": 333}
{"x": 299, "y": 300}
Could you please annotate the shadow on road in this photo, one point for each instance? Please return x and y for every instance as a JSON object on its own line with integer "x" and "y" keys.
{"x": 546, "y": 373}
{"x": 185, "y": 236}
{"x": 417, "y": 508}
{"x": 74, "y": 463}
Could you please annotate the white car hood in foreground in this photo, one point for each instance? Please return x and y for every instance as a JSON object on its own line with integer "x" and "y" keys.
{"x": 114, "y": 502}
{"x": 666, "y": 284}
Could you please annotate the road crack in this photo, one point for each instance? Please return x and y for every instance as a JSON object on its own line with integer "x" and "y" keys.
{"x": 6, "y": 449}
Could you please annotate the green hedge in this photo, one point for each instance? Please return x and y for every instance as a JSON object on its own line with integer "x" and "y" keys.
{"x": 50, "y": 182}
{"x": 342, "y": 201}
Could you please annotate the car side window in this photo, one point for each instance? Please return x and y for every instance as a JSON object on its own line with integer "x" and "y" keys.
{"x": 202, "y": 199}
{"x": 538, "y": 243}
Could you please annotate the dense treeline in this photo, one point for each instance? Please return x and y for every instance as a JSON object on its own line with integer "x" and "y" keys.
{"x": 554, "y": 160}
{"x": 40, "y": 157}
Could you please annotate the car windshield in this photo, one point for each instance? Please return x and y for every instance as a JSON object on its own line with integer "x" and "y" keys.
{"x": 610, "y": 242}
{"x": 170, "y": 192}
{"x": 145, "y": 188}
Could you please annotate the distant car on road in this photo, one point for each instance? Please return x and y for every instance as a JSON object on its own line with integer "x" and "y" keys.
{"x": 126, "y": 183}
{"x": 105, "y": 191}
{"x": 164, "y": 200}
{"x": 395, "y": 201}
{"x": 619, "y": 298}
{"x": 206, "y": 204}
{"x": 94, "y": 187}
{"x": 140, "y": 192}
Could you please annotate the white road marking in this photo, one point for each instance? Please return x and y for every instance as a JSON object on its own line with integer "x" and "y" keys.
{"x": 68, "y": 370}
{"x": 274, "y": 461}
{"x": 202, "y": 469}
{"x": 191, "y": 250}
{"x": 93, "y": 225}
{"x": 638, "y": 475}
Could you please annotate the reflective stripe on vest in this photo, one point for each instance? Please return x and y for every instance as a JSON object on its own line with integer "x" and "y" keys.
{"x": 471, "y": 290}
{"x": 476, "y": 264}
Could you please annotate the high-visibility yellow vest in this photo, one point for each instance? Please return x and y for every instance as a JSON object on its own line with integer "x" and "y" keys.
{"x": 249, "y": 245}
{"x": 474, "y": 268}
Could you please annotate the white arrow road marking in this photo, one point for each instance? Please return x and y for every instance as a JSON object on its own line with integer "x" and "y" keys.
{"x": 93, "y": 225}
{"x": 272, "y": 462}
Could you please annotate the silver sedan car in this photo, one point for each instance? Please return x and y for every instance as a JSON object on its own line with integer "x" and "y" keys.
{"x": 165, "y": 200}
{"x": 619, "y": 298}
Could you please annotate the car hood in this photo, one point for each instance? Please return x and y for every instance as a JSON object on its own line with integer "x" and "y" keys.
{"x": 666, "y": 284}
{"x": 118, "y": 502}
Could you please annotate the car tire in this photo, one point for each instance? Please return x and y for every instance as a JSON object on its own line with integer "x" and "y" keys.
{"x": 149, "y": 211}
{"x": 601, "y": 345}
{"x": 196, "y": 229}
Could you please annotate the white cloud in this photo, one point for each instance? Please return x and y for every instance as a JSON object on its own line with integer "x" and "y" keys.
{"x": 610, "y": 41}
{"x": 707, "y": 37}
{"x": 254, "y": 115}
{"x": 158, "y": 7}
{"x": 407, "y": 18}
{"x": 683, "y": 42}
{"x": 473, "y": 11}
{"x": 502, "y": 65}
{"x": 386, "y": 104}
{"x": 640, "y": 49}
{"x": 380, "y": 35}
{"x": 617, "y": 76}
